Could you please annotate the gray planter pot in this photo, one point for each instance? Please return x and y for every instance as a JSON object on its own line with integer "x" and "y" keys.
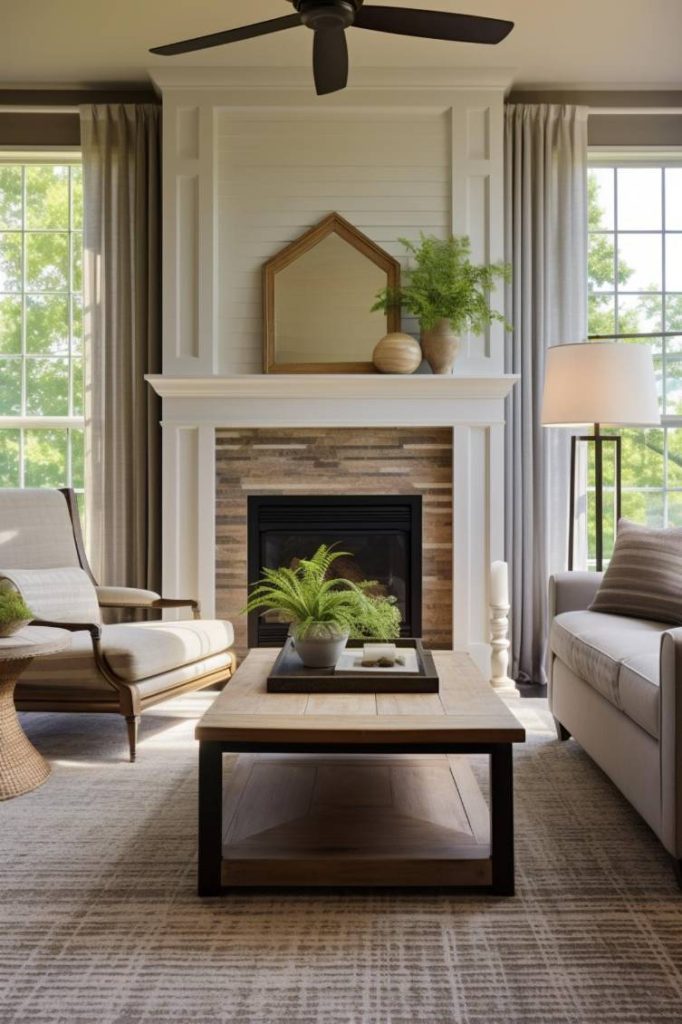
{"x": 320, "y": 651}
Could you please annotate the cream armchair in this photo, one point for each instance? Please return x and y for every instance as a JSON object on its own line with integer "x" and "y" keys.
{"x": 121, "y": 668}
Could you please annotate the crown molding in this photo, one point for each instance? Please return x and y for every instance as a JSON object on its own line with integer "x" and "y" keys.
{"x": 299, "y": 78}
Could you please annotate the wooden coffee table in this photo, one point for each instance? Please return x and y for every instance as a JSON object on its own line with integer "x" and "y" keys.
{"x": 356, "y": 789}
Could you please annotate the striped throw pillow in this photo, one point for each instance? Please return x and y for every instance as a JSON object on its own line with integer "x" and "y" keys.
{"x": 644, "y": 577}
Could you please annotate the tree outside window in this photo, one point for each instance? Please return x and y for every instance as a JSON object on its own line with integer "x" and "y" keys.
{"x": 41, "y": 325}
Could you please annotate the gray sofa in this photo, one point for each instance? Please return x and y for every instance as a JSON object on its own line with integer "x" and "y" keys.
{"x": 615, "y": 685}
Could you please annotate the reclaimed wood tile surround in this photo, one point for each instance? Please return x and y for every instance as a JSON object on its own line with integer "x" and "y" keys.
{"x": 338, "y": 460}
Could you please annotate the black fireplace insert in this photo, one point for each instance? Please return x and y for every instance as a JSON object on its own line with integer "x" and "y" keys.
{"x": 382, "y": 532}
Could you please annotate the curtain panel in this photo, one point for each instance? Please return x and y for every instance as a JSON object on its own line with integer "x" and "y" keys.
{"x": 121, "y": 145}
{"x": 546, "y": 243}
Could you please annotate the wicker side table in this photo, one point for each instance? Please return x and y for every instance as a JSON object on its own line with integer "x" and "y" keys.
{"x": 22, "y": 768}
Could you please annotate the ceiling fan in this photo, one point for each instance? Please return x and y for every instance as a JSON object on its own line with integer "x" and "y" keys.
{"x": 330, "y": 18}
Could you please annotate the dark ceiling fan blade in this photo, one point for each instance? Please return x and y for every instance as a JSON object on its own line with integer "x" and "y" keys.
{"x": 461, "y": 28}
{"x": 330, "y": 60}
{"x": 233, "y": 35}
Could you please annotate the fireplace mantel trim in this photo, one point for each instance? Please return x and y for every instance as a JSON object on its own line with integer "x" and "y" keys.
{"x": 334, "y": 386}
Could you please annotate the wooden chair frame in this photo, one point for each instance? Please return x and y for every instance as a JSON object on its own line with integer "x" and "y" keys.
{"x": 126, "y": 699}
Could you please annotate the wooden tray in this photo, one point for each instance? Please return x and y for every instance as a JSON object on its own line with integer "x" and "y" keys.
{"x": 289, "y": 675}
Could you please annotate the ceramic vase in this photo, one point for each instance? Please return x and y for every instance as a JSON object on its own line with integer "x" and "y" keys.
{"x": 321, "y": 645}
{"x": 397, "y": 353}
{"x": 440, "y": 346}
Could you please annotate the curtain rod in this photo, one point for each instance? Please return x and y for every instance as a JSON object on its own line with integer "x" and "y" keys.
{"x": 641, "y": 111}
{"x": 14, "y": 109}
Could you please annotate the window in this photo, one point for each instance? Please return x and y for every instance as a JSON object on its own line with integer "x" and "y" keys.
{"x": 635, "y": 293}
{"x": 41, "y": 324}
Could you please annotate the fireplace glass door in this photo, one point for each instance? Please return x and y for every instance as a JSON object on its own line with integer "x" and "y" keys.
{"x": 381, "y": 533}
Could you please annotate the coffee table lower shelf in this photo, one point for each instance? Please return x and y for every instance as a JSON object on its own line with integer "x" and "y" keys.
{"x": 354, "y": 820}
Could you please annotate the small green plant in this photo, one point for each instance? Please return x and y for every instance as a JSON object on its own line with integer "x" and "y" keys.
{"x": 13, "y": 608}
{"x": 315, "y": 603}
{"x": 443, "y": 284}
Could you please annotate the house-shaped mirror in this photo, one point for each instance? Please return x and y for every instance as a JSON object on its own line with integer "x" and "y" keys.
{"x": 318, "y": 295}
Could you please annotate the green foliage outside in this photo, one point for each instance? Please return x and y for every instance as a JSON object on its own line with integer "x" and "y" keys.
{"x": 321, "y": 606}
{"x": 648, "y": 482}
{"x": 41, "y": 281}
{"x": 441, "y": 283}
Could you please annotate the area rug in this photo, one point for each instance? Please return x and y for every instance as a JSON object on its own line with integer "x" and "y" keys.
{"x": 99, "y": 922}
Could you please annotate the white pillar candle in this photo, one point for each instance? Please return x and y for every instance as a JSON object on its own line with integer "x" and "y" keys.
{"x": 499, "y": 584}
{"x": 372, "y": 652}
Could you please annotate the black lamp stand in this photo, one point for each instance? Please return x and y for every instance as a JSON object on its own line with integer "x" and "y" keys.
{"x": 598, "y": 440}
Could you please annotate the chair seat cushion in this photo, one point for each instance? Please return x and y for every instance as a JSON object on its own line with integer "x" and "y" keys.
{"x": 80, "y": 681}
{"x": 139, "y": 650}
{"x": 619, "y": 657}
{"x": 152, "y": 655}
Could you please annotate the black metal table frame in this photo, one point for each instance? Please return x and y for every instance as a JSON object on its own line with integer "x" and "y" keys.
{"x": 211, "y": 800}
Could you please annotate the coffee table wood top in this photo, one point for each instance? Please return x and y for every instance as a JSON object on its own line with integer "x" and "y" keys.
{"x": 465, "y": 711}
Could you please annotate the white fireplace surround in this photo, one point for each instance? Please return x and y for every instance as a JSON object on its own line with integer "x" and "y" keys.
{"x": 472, "y": 406}
{"x": 251, "y": 158}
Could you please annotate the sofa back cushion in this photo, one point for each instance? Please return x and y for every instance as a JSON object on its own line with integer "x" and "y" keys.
{"x": 644, "y": 577}
{"x": 57, "y": 595}
{"x": 35, "y": 530}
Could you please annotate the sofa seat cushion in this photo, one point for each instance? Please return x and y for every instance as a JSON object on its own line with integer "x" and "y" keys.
{"x": 619, "y": 657}
{"x": 143, "y": 653}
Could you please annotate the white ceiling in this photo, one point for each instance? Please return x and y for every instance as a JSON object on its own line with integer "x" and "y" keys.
{"x": 569, "y": 43}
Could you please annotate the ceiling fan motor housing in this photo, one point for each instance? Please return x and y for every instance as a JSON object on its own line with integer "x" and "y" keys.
{"x": 322, "y": 15}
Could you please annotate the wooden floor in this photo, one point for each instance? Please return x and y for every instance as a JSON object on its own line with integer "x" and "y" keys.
{"x": 338, "y": 820}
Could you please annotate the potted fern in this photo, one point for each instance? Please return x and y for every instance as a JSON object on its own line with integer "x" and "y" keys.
{"x": 14, "y": 612}
{"x": 447, "y": 293}
{"x": 324, "y": 611}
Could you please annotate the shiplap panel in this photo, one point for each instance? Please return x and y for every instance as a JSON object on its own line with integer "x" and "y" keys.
{"x": 389, "y": 176}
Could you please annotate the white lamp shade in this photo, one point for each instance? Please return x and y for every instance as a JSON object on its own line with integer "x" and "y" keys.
{"x": 600, "y": 382}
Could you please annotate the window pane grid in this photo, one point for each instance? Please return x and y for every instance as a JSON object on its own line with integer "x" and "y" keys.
{"x": 635, "y": 293}
{"x": 41, "y": 402}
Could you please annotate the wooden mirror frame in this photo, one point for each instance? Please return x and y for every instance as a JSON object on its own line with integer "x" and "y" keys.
{"x": 332, "y": 224}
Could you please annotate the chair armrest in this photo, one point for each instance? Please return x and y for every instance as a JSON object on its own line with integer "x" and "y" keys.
{"x": 132, "y": 597}
{"x": 572, "y": 591}
{"x": 92, "y": 628}
{"x": 176, "y": 602}
{"x": 126, "y": 597}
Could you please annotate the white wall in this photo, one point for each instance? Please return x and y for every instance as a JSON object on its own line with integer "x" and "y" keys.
{"x": 251, "y": 160}
{"x": 388, "y": 173}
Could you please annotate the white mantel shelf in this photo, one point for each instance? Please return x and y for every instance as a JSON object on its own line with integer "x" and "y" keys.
{"x": 335, "y": 386}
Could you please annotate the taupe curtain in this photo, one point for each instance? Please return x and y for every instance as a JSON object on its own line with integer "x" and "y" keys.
{"x": 546, "y": 241}
{"x": 122, "y": 284}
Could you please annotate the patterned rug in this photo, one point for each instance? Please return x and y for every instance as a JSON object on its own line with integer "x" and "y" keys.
{"x": 99, "y": 923}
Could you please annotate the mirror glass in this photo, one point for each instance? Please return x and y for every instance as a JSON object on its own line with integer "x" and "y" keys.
{"x": 320, "y": 292}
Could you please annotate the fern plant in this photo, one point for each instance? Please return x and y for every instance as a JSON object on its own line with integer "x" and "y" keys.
{"x": 323, "y": 607}
{"x": 441, "y": 283}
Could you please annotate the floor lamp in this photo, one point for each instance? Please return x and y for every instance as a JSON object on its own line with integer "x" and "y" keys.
{"x": 598, "y": 383}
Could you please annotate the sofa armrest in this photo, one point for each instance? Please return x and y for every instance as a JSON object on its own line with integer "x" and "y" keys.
{"x": 572, "y": 591}
{"x": 670, "y": 739}
{"x": 133, "y": 597}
